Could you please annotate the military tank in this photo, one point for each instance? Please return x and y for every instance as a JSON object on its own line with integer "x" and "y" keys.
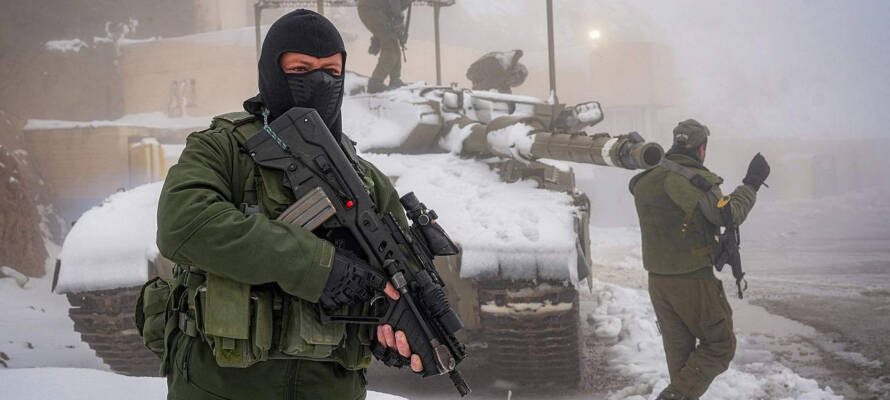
{"x": 525, "y": 320}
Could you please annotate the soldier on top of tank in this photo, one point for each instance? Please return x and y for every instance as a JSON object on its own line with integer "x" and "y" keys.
{"x": 681, "y": 209}
{"x": 388, "y": 23}
{"x": 217, "y": 222}
{"x": 498, "y": 70}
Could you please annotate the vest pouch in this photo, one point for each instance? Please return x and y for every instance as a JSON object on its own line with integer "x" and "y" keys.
{"x": 151, "y": 314}
{"x": 304, "y": 335}
{"x": 237, "y": 322}
{"x": 355, "y": 354}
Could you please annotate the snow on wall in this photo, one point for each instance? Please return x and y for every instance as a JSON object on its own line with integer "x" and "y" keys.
{"x": 512, "y": 230}
{"x": 110, "y": 245}
{"x": 148, "y": 120}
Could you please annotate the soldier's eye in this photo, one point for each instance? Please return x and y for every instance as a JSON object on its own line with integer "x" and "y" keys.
{"x": 333, "y": 71}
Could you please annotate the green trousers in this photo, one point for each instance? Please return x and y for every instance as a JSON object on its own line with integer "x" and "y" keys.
{"x": 195, "y": 375}
{"x": 696, "y": 326}
{"x": 389, "y": 64}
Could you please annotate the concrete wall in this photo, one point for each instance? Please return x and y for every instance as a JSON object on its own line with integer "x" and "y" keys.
{"x": 82, "y": 166}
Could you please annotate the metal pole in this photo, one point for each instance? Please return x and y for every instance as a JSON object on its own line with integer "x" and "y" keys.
{"x": 551, "y": 51}
{"x": 436, "y": 8}
{"x": 320, "y": 6}
{"x": 257, "y": 16}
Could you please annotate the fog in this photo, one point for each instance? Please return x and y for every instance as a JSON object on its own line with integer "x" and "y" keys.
{"x": 97, "y": 97}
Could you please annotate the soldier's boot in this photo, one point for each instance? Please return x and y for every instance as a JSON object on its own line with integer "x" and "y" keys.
{"x": 671, "y": 394}
{"x": 375, "y": 85}
{"x": 374, "y": 48}
{"x": 395, "y": 83}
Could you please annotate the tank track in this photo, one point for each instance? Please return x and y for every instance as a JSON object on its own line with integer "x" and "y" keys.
{"x": 536, "y": 349}
{"x": 104, "y": 320}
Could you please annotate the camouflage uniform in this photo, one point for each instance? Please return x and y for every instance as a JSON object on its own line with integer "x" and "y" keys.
{"x": 384, "y": 19}
{"x": 678, "y": 223}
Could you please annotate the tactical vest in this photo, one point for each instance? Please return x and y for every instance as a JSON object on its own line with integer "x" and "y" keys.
{"x": 245, "y": 324}
{"x": 677, "y": 238}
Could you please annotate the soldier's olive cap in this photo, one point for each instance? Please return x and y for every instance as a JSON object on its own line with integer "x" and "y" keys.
{"x": 691, "y": 134}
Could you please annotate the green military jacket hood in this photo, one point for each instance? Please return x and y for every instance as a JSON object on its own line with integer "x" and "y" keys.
{"x": 676, "y": 236}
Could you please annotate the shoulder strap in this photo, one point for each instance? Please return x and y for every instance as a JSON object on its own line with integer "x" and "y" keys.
{"x": 694, "y": 178}
{"x": 239, "y": 125}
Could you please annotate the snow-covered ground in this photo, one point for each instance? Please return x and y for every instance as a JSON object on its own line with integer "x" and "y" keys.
{"x": 90, "y": 384}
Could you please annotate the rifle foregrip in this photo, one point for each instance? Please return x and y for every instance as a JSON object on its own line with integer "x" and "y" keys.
{"x": 402, "y": 318}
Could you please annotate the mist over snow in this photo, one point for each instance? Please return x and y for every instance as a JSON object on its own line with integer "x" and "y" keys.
{"x": 749, "y": 68}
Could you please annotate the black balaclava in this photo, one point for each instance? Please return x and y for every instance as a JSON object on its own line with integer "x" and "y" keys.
{"x": 307, "y": 32}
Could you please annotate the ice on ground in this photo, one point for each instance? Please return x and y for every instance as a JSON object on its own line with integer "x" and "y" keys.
{"x": 638, "y": 353}
{"x": 495, "y": 223}
{"x": 157, "y": 120}
{"x": 110, "y": 245}
{"x": 88, "y": 384}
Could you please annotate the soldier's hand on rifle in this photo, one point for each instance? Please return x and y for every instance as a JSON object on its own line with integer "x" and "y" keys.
{"x": 392, "y": 347}
{"x": 351, "y": 281}
{"x": 758, "y": 171}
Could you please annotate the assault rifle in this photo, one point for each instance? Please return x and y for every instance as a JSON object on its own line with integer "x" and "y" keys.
{"x": 330, "y": 193}
{"x": 729, "y": 241}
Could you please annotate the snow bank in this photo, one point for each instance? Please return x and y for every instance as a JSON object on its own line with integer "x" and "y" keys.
{"x": 626, "y": 316}
{"x": 35, "y": 330}
{"x": 148, "y": 120}
{"x": 514, "y": 230}
{"x": 87, "y": 384}
{"x": 110, "y": 244}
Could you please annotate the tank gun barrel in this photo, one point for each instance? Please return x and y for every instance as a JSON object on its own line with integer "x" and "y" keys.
{"x": 625, "y": 151}
{"x": 527, "y": 139}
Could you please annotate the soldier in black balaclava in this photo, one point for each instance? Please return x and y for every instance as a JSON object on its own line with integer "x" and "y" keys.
{"x": 239, "y": 319}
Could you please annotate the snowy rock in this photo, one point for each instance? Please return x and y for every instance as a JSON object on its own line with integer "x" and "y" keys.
{"x": 20, "y": 278}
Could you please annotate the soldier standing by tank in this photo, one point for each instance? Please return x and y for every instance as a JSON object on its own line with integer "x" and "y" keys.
{"x": 681, "y": 208}
{"x": 388, "y": 26}
{"x": 243, "y": 320}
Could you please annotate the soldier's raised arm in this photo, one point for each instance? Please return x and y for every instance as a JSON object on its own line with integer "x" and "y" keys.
{"x": 740, "y": 201}
{"x": 199, "y": 225}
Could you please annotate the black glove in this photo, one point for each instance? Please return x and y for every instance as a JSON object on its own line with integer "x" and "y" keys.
{"x": 758, "y": 171}
{"x": 351, "y": 281}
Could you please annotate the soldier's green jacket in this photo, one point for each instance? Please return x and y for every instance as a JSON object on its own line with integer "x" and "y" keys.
{"x": 679, "y": 221}
{"x": 262, "y": 277}
{"x": 200, "y": 224}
